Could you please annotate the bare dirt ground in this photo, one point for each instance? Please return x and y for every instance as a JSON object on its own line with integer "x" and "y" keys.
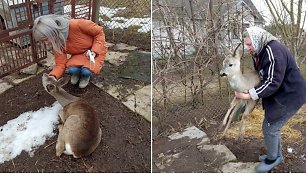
{"x": 125, "y": 144}
{"x": 208, "y": 117}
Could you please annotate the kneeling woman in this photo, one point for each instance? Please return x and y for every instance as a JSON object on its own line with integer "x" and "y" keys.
{"x": 83, "y": 39}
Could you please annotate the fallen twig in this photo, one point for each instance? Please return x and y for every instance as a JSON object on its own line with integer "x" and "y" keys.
{"x": 49, "y": 144}
{"x": 84, "y": 163}
{"x": 14, "y": 164}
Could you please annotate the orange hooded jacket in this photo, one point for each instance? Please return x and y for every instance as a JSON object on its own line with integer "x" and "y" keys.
{"x": 83, "y": 35}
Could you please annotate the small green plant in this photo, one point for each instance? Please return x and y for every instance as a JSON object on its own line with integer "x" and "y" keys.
{"x": 134, "y": 27}
{"x": 104, "y": 17}
{"x": 303, "y": 69}
{"x": 120, "y": 21}
{"x": 129, "y": 36}
{"x": 130, "y": 13}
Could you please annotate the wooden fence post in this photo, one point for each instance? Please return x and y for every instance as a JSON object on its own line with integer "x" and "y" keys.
{"x": 95, "y": 11}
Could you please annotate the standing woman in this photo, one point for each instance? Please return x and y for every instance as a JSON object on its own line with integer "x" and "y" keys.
{"x": 77, "y": 37}
{"x": 282, "y": 89}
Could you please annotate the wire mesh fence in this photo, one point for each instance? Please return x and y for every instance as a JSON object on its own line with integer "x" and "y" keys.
{"x": 187, "y": 57}
{"x": 82, "y": 9}
{"x": 125, "y": 14}
{"x": 127, "y": 21}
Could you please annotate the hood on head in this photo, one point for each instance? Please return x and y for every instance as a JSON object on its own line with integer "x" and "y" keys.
{"x": 259, "y": 38}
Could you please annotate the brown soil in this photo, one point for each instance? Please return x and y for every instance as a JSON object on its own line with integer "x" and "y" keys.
{"x": 208, "y": 117}
{"x": 125, "y": 144}
{"x": 193, "y": 161}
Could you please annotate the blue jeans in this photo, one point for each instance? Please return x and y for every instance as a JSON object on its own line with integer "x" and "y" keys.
{"x": 80, "y": 71}
{"x": 272, "y": 136}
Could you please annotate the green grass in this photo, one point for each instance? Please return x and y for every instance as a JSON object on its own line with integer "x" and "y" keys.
{"x": 129, "y": 36}
{"x": 123, "y": 3}
{"x": 303, "y": 69}
{"x": 134, "y": 27}
{"x": 82, "y": 1}
{"x": 135, "y": 8}
{"x": 104, "y": 17}
{"x": 131, "y": 13}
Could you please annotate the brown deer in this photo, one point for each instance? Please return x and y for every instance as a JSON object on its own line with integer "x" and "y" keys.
{"x": 240, "y": 82}
{"x": 79, "y": 132}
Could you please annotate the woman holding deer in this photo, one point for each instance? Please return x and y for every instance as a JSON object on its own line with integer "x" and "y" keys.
{"x": 282, "y": 89}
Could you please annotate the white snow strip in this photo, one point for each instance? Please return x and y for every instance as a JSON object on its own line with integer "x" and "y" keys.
{"x": 27, "y": 132}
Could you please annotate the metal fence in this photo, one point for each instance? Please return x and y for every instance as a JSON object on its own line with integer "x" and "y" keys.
{"x": 126, "y": 14}
{"x": 186, "y": 63}
{"x": 127, "y": 21}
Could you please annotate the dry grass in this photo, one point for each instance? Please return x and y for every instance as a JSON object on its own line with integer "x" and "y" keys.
{"x": 253, "y": 126}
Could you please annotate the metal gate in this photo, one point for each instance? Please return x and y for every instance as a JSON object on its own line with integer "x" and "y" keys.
{"x": 17, "y": 47}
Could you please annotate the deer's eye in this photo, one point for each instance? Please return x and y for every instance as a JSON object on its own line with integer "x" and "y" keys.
{"x": 50, "y": 87}
{"x": 230, "y": 65}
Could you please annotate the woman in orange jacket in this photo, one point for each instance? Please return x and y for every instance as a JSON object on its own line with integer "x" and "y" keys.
{"x": 83, "y": 39}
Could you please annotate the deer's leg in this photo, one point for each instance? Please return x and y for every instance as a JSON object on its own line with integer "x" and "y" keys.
{"x": 248, "y": 109}
{"x": 236, "y": 107}
{"x": 233, "y": 104}
{"x": 61, "y": 115}
{"x": 242, "y": 128}
{"x": 60, "y": 144}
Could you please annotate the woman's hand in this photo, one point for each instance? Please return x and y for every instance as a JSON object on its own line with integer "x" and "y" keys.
{"x": 52, "y": 77}
{"x": 242, "y": 95}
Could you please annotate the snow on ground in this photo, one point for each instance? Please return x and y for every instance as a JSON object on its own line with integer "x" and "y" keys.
{"x": 110, "y": 12}
{"x": 27, "y": 132}
{"x": 121, "y": 22}
{"x": 115, "y": 22}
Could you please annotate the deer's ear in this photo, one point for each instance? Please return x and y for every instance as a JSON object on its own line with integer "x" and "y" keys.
{"x": 237, "y": 53}
{"x": 62, "y": 81}
{"x": 45, "y": 75}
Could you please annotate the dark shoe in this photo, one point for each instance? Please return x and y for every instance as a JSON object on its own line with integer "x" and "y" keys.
{"x": 263, "y": 167}
{"x": 263, "y": 157}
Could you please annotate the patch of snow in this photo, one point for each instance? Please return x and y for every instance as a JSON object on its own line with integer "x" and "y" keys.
{"x": 303, "y": 157}
{"x": 116, "y": 22}
{"x": 191, "y": 132}
{"x": 27, "y": 132}
{"x": 109, "y": 12}
{"x": 289, "y": 149}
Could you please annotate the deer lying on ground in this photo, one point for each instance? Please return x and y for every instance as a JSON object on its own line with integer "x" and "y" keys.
{"x": 79, "y": 133}
{"x": 241, "y": 83}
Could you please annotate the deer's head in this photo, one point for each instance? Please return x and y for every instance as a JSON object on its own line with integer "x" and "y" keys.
{"x": 231, "y": 63}
{"x": 52, "y": 85}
